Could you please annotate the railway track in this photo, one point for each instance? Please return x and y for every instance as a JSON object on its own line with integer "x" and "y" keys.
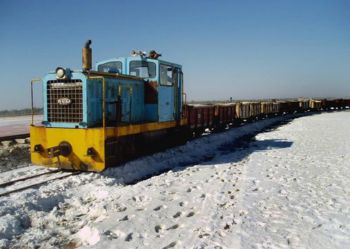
{"x": 32, "y": 180}
{"x": 12, "y": 137}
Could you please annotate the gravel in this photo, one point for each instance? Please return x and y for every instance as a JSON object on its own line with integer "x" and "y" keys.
{"x": 14, "y": 154}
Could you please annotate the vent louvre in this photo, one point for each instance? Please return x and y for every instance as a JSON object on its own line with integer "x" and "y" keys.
{"x": 65, "y": 89}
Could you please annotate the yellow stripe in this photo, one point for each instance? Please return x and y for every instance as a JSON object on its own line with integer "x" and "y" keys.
{"x": 81, "y": 140}
{"x": 140, "y": 128}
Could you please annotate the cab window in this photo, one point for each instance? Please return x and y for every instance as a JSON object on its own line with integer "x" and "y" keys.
{"x": 110, "y": 67}
{"x": 143, "y": 69}
{"x": 166, "y": 75}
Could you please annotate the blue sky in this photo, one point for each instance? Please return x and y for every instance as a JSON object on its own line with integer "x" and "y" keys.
{"x": 239, "y": 49}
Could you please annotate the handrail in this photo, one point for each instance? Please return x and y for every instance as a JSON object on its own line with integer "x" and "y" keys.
{"x": 32, "y": 96}
{"x": 103, "y": 98}
{"x": 184, "y": 105}
{"x": 184, "y": 95}
{"x": 130, "y": 103}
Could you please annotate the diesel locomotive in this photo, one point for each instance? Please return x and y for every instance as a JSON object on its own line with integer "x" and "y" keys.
{"x": 132, "y": 106}
{"x": 98, "y": 118}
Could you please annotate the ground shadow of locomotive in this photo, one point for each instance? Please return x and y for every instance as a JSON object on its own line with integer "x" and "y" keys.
{"x": 244, "y": 146}
{"x": 233, "y": 152}
{"x": 236, "y": 152}
{"x": 229, "y": 153}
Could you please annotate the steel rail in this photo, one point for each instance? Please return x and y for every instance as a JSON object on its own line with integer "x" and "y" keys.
{"x": 5, "y": 184}
{"x": 5, "y": 193}
{"x": 12, "y": 137}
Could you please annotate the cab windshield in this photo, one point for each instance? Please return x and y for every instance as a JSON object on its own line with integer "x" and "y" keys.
{"x": 143, "y": 69}
{"x": 110, "y": 67}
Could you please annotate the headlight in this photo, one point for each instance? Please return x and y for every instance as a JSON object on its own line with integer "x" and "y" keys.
{"x": 60, "y": 73}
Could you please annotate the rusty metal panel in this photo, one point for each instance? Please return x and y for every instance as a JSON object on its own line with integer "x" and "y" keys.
{"x": 315, "y": 104}
{"x": 242, "y": 110}
{"x": 191, "y": 116}
{"x": 211, "y": 115}
{"x": 151, "y": 92}
{"x": 276, "y": 107}
{"x": 254, "y": 109}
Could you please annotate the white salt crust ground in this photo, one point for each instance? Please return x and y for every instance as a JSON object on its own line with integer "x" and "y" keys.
{"x": 17, "y": 125}
{"x": 287, "y": 189}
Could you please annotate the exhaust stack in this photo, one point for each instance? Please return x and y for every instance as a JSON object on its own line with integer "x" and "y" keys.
{"x": 87, "y": 56}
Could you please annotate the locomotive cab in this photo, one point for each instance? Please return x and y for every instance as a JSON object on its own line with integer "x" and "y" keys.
{"x": 163, "y": 84}
{"x": 163, "y": 87}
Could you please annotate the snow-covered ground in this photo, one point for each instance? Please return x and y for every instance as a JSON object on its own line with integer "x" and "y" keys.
{"x": 296, "y": 193}
{"x": 17, "y": 125}
{"x": 15, "y": 154}
{"x": 19, "y": 120}
{"x": 288, "y": 188}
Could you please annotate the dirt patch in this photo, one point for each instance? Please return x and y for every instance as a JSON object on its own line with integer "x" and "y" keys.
{"x": 14, "y": 154}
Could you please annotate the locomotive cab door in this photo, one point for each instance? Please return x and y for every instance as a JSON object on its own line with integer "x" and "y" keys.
{"x": 177, "y": 79}
{"x": 167, "y": 92}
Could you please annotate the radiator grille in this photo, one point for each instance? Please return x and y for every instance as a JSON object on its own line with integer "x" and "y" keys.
{"x": 59, "y": 93}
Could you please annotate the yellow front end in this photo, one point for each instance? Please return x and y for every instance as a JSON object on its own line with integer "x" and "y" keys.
{"x": 87, "y": 148}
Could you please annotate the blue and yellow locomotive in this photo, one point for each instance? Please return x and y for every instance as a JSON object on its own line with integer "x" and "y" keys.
{"x": 93, "y": 119}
